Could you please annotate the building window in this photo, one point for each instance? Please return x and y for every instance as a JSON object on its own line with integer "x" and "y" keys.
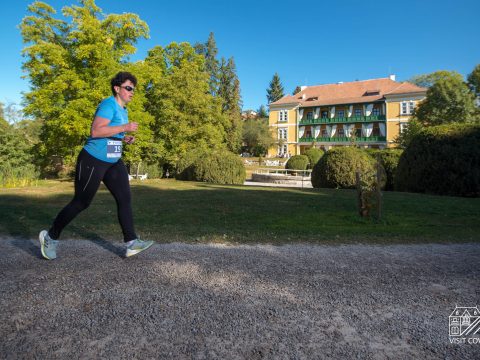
{"x": 324, "y": 133}
{"x": 358, "y": 112}
{"x": 341, "y": 113}
{"x": 358, "y": 132}
{"x": 324, "y": 114}
{"x": 310, "y": 115}
{"x": 403, "y": 127}
{"x": 376, "y": 112}
{"x": 406, "y": 107}
{"x": 341, "y": 133}
{"x": 283, "y": 133}
{"x": 282, "y": 150}
{"x": 283, "y": 115}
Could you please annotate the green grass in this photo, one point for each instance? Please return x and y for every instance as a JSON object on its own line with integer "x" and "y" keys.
{"x": 169, "y": 210}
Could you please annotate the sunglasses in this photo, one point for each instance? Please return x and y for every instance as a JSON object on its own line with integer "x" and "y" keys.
{"x": 128, "y": 88}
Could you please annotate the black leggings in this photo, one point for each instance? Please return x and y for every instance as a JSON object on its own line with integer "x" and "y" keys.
{"x": 89, "y": 173}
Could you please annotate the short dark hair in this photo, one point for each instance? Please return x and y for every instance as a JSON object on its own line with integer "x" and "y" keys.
{"x": 120, "y": 78}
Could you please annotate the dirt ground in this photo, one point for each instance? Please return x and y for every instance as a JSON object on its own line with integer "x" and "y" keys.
{"x": 210, "y": 301}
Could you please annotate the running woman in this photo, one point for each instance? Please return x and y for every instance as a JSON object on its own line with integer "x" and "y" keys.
{"x": 100, "y": 160}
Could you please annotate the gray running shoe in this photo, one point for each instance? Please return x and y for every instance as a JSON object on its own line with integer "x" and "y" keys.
{"x": 48, "y": 245}
{"x": 137, "y": 246}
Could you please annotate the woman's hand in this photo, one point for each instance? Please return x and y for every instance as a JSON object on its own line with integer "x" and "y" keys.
{"x": 129, "y": 139}
{"x": 133, "y": 126}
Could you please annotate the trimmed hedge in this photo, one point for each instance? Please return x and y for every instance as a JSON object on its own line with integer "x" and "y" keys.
{"x": 338, "y": 167}
{"x": 314, "y": 156}
{"x": 297, "y": 162}
{"x": 221, "y": 167}
{"x": 443, "y": 160}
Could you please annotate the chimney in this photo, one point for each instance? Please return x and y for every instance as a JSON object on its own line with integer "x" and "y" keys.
{"x": 304, "y": 96}
{"x": 392, "y": 77}
{"x": 303, "y": 87}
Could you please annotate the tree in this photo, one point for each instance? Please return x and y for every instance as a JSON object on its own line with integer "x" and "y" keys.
{"x": 262, "y": 112}
{"x": 405, "y": 137}
{"x": 69, "y": 66}
{"x": 474, "y": 81}
{"x": 448, "y": 100}
{"x": 186, "y": 116}
{"x": 427, "y": 80}
{"x": 275, "y": 91}
{"x": 257, "y": 136}
{"x": 229, "y": 92}
{"x": 297, "y": 90}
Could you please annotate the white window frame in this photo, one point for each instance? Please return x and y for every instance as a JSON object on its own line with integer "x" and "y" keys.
{"x": 407, "y": 107}
{"x": 283, "y": 133}
{"x": 282, "y": 149}
{"x": 283, "y": 115}
{"x": 403, "y": 127}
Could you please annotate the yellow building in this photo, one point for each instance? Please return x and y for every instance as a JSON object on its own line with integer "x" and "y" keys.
{"x": 369, "y": 113}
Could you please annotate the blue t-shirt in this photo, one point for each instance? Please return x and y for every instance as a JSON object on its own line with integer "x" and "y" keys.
{"x": 108, "y": 149}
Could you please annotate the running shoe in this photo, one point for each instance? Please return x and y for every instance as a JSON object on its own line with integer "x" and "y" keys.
{"x": 136, "y": 246}
{"x": 48, "y": 245}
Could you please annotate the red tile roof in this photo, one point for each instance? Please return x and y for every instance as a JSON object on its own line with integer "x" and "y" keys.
{"x": 349, "y": 92}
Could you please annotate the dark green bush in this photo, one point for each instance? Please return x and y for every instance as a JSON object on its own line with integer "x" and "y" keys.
{"x": 297, "y": 162}
{"x": 314, "y": 155}
{"x": 389, "y": 159}
{"x": 184, "y": 168}
{"x": 443, "y": 160}
{"x": 220, "y": 167}
{"x": 337, "y": 168}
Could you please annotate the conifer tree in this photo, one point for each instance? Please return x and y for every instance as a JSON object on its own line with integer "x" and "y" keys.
{"x": 229, "y": 91}
{"x": 275, "y": 91}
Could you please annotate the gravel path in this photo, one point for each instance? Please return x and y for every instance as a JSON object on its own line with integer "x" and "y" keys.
{"x": 235, "y": 302}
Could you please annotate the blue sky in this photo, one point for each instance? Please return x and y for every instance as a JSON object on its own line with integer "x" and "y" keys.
{"x": 307, "y": 43}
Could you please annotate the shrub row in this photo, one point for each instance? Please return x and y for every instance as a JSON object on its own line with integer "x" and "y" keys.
{"x": 443, "y": 160}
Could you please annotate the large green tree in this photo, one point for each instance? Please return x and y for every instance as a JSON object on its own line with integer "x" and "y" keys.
{"x": 427, "y": 80}
{"x": 229, "y": 92}
{"x": 448, "y": 100}
{"x": 210, "y": 51}
{"x": 187, "y": 117}
{"x": 257, "y": 136}
{"x": 69, "y": 65}
{"x": 275, "y": 91}
{"x": 474, "y": 80}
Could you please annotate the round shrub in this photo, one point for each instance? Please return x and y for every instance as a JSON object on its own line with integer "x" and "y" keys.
{"x": 314, "y": 155}
{"x": 184, "y": 168}
{"x": 297, "y": 162}
{"x": 338, "y": 167}
{"x": 220, "y": 167}
{"x": 389, "y": 159}
{"x": 443, "y": 160}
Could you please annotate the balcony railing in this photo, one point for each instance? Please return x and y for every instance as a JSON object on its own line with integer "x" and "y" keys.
{"x": 343, "y": 139}
{"x": 342, "y": 120}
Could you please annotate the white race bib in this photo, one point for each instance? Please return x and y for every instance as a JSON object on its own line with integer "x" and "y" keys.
{"x": 114, "y": 149}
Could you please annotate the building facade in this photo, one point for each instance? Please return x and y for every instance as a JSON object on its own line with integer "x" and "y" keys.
{"x": 369, "y": 113}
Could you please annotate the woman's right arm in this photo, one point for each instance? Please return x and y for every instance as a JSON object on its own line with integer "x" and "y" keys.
{"x": 100, "y": 128}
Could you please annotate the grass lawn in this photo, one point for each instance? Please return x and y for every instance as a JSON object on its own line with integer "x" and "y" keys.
{"x": 169, "y": 210}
